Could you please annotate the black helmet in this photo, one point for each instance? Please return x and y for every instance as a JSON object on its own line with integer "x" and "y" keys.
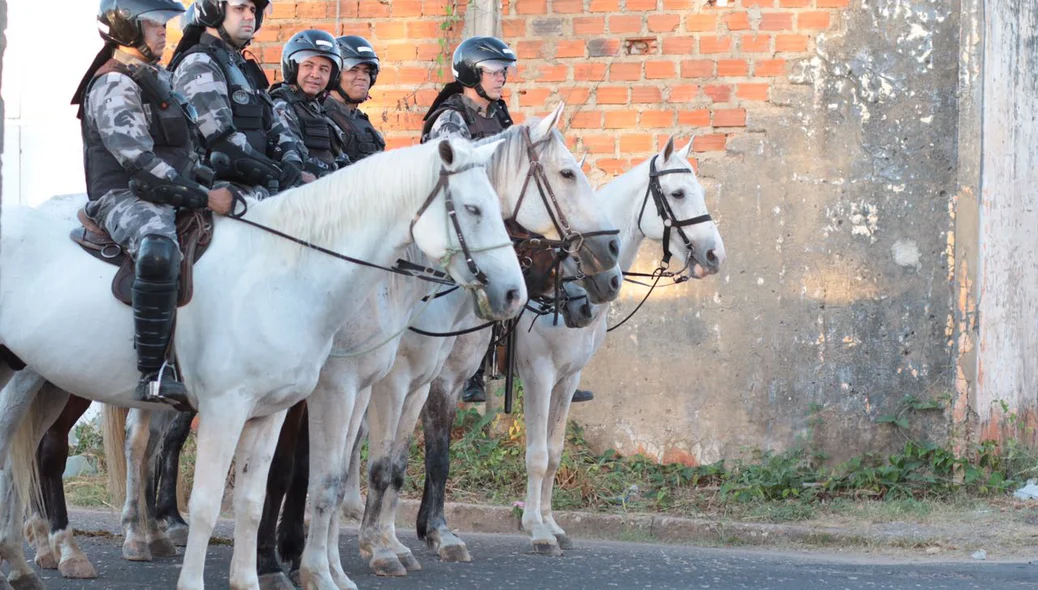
{"x": 210, "y": 13}
{"x": 119, "y": 21}
{"x": 306, "y": 44}
{"x": 357, "y": 50}
{"x": 474, "y": 51}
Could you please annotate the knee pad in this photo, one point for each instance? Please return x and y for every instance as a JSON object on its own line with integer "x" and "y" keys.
{"x": 158, "y": 259}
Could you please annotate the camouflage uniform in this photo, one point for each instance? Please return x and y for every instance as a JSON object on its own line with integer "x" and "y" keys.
{"x": 202, "y": 81}
{"x": 450, "y": 122}
{"x": 115, "y": 108}
{"x": 294, "y": 127}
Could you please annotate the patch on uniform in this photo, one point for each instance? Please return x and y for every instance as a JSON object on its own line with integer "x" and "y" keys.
{"x": 240, "y": 97}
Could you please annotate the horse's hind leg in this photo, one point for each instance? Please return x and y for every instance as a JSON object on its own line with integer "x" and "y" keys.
{"x": 51, "y": 454}
{"x": 352, "y": 501}
{"x": 167, "y": 472}
{"x": 279, "y": 477}
{"x": 561, "y": 396}
{"x": 413, "y": 404}
{"x": 142, "y": 539}
{"x": 437, "y": 421}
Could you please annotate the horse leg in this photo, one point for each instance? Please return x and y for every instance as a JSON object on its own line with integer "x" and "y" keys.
{"x": 353, "y": 502}
{"x": 255, "y": 452}
{"x": 52, "y": 455}
{"x": 437, "y": 421}
{"x": 412, "y": 407}
{"x": 561, "y": 397}
{"x": 282, "y": 470}
{"x": 27, "y": 409}
{"x": 218, "y": 433}
{"x": 159, "y": 543}
{"x": 167, "y": 509}
{"x": 384, "y": 412}
{"x": 330, "y": 409}
{"x": 538, "y": 380}
{"x": 351, "y": 453}
{"x": 135, "y": 542}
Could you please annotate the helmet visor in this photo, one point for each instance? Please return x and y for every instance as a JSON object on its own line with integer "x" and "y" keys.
{"x": 301, "y": 56}
{"x": 497, "y": 67}
{"x": 160, "y": 17}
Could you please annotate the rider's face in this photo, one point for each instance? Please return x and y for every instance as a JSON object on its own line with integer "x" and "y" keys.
{"x": 356, "y": 82}
{"x": 313, "y": 75}
{"x": 240, "y": 21}
{"x": 493, "y": 82}
{"x": 154, "y": 36}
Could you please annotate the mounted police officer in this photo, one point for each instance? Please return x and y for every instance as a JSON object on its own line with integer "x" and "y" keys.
{"x": 248, "y": 144}
{"x": 472, "y": 107}
{"x": 139, "y": 155}
{"x": 310, "y": 66}
{"x": 360, "y": 68}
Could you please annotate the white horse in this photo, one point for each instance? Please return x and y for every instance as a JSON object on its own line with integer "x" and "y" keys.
{"x": 550, "y": 358}
{"x": 252, "y": 341}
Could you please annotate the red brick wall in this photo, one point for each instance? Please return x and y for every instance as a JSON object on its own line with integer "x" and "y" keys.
{"x": 632, "y": 72}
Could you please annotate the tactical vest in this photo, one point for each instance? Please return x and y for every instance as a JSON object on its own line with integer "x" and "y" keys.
{"x": 252, "y": 110}
{"x": 171, "y": 129}
{"x": 362, "y": 139}
{"x": 318, "y": 135}
{"x": 479, "y": 126}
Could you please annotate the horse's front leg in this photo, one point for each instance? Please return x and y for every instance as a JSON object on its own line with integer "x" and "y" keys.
{"x": 561, "y": 396}
{"x": 220, "y": 425}
{"x": 538, "y": 379}
{"x": 330, "y": 410}
{"x": 284, "y": 471}
{"x": 413, "y": 404}
{"x": 141, "y": 534}
{"x": 167, "y": 472}
{"x": 255, "y": 451}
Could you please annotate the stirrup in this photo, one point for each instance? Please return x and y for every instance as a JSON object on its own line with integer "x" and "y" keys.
{"x": 153, "y": 389}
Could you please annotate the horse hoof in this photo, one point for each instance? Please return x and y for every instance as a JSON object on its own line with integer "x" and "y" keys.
{"x": 136, "y": 551}
{"x": 46, "y": 561}
{"x": 278, "y": 581}
{"x": 549, "y": 548}
{"x": 177, "y": 534}
{"x": 77, "y": 568}
{"x": 343, "y": 582}
{"x": 162, "y": 547}
{"x": 29, "y": 582}
{"x": 408, "y": 560}
{"x": 455, "y": 553}
{"x": 388, "y": 566}
{"x": 564, "y": 541}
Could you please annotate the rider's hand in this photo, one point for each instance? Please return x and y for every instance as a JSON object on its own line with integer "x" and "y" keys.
{"x": 221, "y": 200}
{"x": 307, "y": 177}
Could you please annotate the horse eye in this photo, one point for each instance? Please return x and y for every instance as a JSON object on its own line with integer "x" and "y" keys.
{"x": 678, "y": 194}
{"x": 474, "y": 210}
{"x": 568, "y": 174}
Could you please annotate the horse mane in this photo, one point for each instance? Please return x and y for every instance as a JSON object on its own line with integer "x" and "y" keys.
{"x": 331, "y": 206}
{"x": 511, "y": 154}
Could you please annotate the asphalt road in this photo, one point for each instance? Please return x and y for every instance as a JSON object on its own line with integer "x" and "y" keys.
{"x": 505, "y": 561}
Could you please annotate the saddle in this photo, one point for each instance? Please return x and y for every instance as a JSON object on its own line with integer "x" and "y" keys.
{"x": 194, "y": 233}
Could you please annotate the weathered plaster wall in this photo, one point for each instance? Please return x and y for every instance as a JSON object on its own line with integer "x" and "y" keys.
{"x": 1007, "y": 359}
{"x": 836, "y": 209}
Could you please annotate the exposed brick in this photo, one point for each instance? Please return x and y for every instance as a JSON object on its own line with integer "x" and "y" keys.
{"x": 412, "y": 75}
{"x": 405, "y": 8}
{"x": 355, "y": 28}
{"x": 283, "y": 10}
{"x": 604, "y": 6}
{"x": 530, "y": 49}
{"x": 683, "y": 93}
{"x": 428, "y": 51}
{"x": 621, "y": 119}
{"x": 793, "y": 43}
{"x": 390, "y": 29}
{"x": 603, "y": 47}
{"x": 813, "y": 20}
{"x": 371, "y": 10}
{"x": 659, "y": 70}
{"x": 625, "y": 24}
{"x": 574, "y": 95}
{"x": 589, "y": 25}
{"x": 794, "y": 3}
{"x": 752, "y": 43}
{"x": 646, "y": 95}
{"x": 513, "y": 27}
{"x": 694, "y": 118}
{"x": 625, "y": 71}
{"x": 547, "y": 27}
{"x": 636, "y": 142}
{"x": 677, "y": 4}
{"x": 769, "y": 67}
{"x": 776, "y": 21}
{"x": 701, "y": 23}
{"x": 678, "y": 45}
{"x": 311, "y": 10}
{"x": 697, "y": 68}
{"x": 552, "y": 73}
{"x": 712, "y": 44}
{"x": 586, "y": 120}
{"x": 529, "y": 6}
{"x": 612, "y": 165}
{"x": 394, "y": 142}
{"x": 654, "y": 119}
{"x": 567, "y": 6}
{"x": 709, "y": 143}
{"x": 400, "y": 52}
{"x": 642, "y": 4}
{"x": 730, "y": 118}
{"x": 833, "y": 3}
{"x": 589, "y": 71}
{"x": 426, "y": 29}
{"x": 752, "y": 91}
{"x": 569, "y": 48}
{"x": 737, "y": 21}
{"x": 534, "y": 97}
{"x": 733, "y": 67}
{"x": 760, "y": 3}
{"x": 611, "y": 95}
{"x": 599, "y": 143}
{"x": 434, "y": 7}
{"x": 663, "y": 23}
{"x": 718, "y": 92}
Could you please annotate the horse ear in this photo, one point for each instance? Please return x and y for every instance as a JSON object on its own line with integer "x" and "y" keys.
{"x": 582, "y": 160}
{"x": 446, "y": 152}
{"x": 482, "y": 153}
{"x": 685, "y": 150}
{"x": 548, "y": 123}
{"x": 667, "y": 151}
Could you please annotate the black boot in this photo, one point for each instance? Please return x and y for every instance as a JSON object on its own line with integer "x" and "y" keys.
{"x": 475, "y": 389}
{"x": 154, "y": 306}
{"x": 582, "y": 395}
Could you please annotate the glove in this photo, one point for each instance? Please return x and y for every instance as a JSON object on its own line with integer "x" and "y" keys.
{"x": 291, "y": 175}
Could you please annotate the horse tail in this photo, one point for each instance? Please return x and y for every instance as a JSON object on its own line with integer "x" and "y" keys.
{"x": 113, "y": 428}
{"x": 25, "y": 471}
